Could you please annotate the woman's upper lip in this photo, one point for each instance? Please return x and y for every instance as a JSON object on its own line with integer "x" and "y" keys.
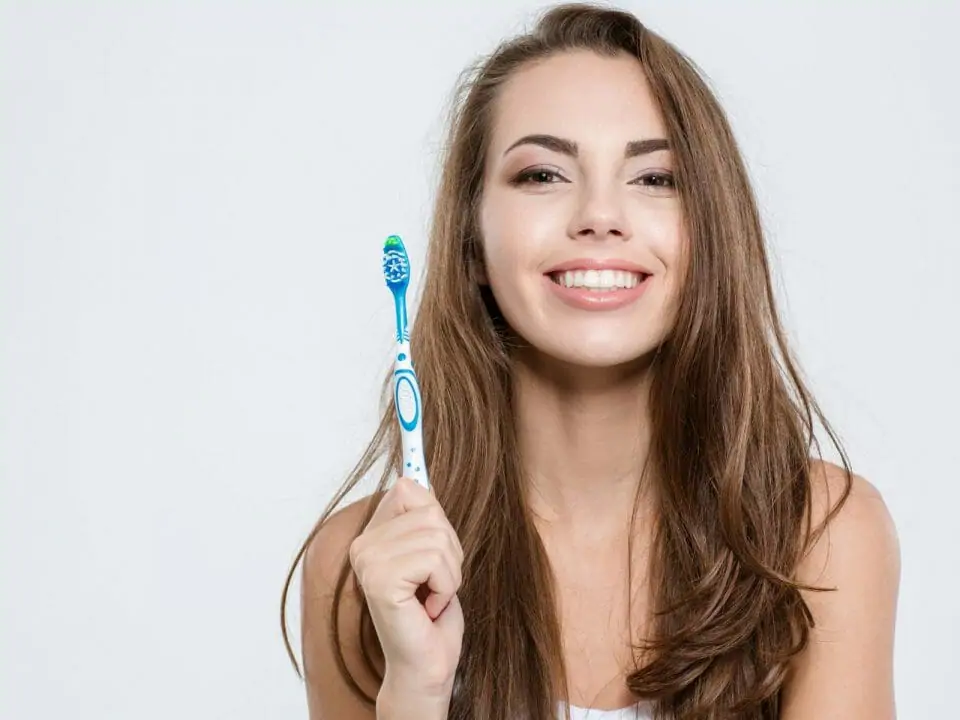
{"x": 598, "y": 264}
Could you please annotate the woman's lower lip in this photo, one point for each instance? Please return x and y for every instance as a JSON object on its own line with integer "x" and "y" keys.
{"x": 597, "y": 300}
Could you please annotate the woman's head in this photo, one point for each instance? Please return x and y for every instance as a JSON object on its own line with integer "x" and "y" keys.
{"x": 600, "y": 79}
{"x": 732, "y": 422}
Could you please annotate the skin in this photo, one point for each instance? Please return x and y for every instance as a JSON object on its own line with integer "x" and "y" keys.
{"x": 582, "y": 411}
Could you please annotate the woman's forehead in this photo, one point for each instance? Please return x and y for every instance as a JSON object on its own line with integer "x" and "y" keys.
{"x": 581, "y": 95}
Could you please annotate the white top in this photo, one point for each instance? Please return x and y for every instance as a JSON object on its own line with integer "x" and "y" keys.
{"x": 641, "y": 711}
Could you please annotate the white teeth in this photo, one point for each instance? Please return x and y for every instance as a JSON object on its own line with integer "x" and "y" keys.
{"x": 600, "y": 280}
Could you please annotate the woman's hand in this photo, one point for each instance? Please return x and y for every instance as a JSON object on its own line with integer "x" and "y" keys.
{"x": 408, "y": 562}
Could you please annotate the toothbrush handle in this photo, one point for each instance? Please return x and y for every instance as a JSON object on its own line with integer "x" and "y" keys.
{"x": 406, "y": 401}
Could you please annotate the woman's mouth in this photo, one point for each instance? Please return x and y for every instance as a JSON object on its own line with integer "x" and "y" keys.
{"x": 597, "y": 289}
{"x": 598, "y": 280}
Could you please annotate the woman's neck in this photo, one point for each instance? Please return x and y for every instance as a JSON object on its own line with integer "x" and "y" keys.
{"x": 584, "y": 435}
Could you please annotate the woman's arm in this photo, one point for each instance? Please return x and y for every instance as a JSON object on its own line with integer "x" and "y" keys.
{"x": 846, "y": 672}
{"x": 328, "y": 695}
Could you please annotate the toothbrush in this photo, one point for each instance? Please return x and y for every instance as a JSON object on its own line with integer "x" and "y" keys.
{"x": 406, "y": 389}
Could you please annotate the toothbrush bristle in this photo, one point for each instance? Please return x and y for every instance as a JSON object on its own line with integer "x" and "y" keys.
{"x": 396, "y": 264}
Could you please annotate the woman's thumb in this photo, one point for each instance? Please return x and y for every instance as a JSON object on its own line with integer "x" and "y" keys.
{"x": 451, "y": 616}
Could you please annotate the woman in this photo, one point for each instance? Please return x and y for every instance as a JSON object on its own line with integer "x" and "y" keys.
{"x": 626, "y": 513}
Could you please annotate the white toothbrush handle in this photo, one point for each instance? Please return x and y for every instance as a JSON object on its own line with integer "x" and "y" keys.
{"x": 406, "y": 400}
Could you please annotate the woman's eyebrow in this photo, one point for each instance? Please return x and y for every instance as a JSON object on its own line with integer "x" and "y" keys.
{"x": 569, "y": 147}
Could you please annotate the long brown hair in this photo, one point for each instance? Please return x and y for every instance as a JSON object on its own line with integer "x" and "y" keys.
{"x": 733, "y": 427}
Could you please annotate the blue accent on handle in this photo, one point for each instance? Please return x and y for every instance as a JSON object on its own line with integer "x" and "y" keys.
{"x": 405, "y": 379}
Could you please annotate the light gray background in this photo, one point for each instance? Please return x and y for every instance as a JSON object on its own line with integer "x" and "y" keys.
{"x": 194, "y": 325}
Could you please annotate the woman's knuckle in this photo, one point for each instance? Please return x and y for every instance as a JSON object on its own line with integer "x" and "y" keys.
{"x": 449, "y": 543}
{"x": 455, "y": 556}
{"x": 436, "y": 515}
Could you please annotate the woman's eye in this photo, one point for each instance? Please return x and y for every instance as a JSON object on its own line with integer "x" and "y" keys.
{"x": 544, "y": 176}
{"x": 536, "y": 176}
{"x": 656, "y": 180}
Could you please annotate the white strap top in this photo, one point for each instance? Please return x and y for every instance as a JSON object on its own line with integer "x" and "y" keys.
{"x": 641, "y": 711}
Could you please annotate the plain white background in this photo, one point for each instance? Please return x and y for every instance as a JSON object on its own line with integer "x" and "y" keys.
{"x": 194, "y": 325}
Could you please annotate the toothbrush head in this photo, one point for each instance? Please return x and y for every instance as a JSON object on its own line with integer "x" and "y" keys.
{"x": 396, "y": 264}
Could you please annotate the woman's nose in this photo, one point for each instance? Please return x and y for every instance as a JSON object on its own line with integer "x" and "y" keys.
{"x": 600, "y": 215}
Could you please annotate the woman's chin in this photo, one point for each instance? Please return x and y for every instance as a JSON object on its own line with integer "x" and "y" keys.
{"x": 593, "y": 355}
{"x": 611, "y": 359}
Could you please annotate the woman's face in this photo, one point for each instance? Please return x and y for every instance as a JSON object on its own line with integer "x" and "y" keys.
{"x": 591, "y": 194}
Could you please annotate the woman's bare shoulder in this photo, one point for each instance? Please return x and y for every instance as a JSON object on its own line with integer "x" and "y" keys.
{"x": 328, "y": 693}
{"x": 846, "y": 670}
{"x": 331, "y": 545}
{"x": 829, "y": 489}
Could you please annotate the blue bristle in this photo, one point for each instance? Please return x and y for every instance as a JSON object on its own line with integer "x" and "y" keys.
{"x": 396, "y": 272}
{"x": 396, "y": 267}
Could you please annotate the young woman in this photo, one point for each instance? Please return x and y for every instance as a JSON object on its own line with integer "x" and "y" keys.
{"x": 627, "y": 519}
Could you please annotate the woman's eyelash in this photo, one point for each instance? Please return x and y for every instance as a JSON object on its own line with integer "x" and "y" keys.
{"x": 663, "y": 176}
{"x": 528, "y": 176}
